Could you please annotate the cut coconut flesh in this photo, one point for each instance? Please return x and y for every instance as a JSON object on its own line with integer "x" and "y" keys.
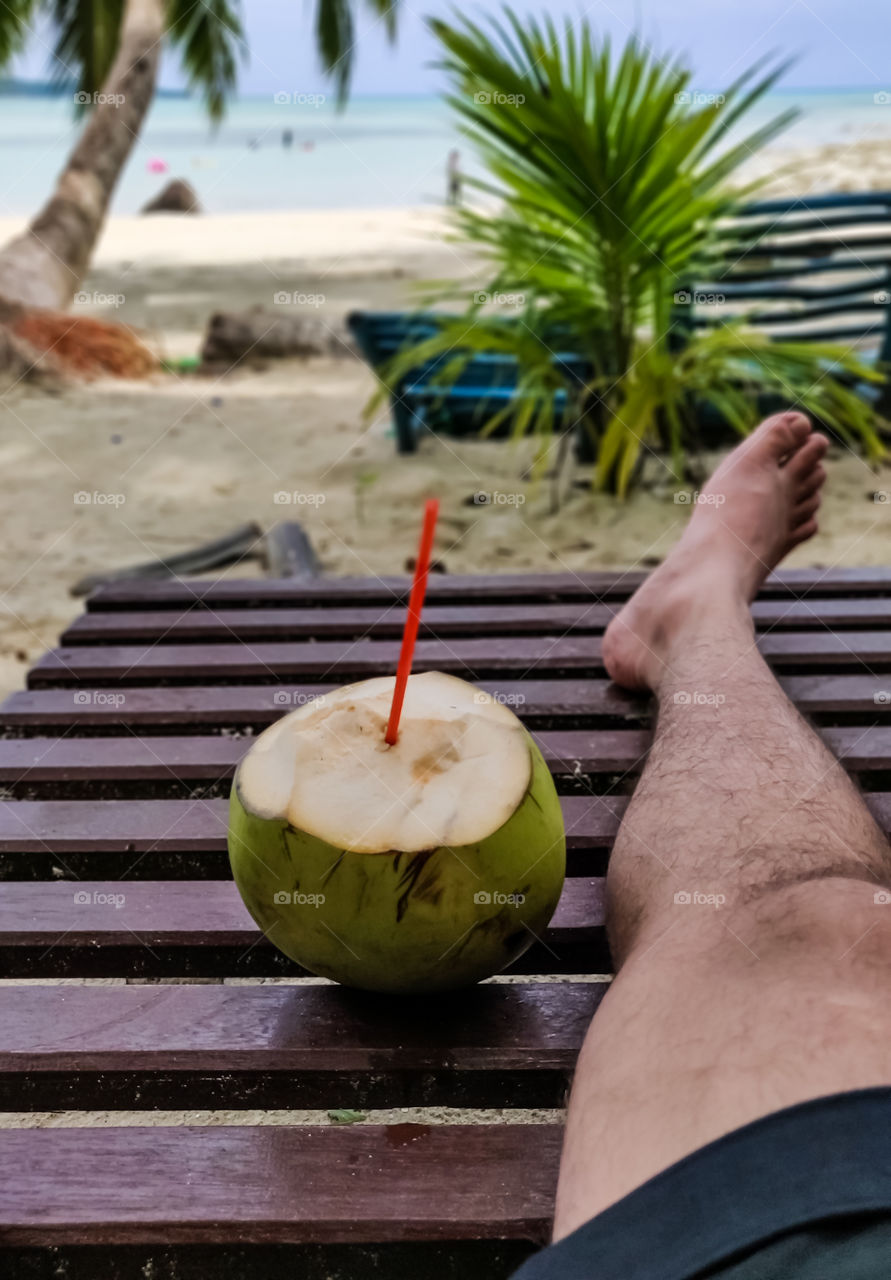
{"x": 458, "y": 771}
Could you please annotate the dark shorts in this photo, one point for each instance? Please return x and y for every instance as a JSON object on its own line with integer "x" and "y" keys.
{"x": 803, "y": 1194}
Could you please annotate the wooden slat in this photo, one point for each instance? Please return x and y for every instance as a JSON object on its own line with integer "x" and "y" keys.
{"x": 522, "y": 656}
{"x": 197, "y": 706}
{"x": 262, "y": 704}
{"x": 461, "y": 589}
{"x": 285, "y": 1046}
{"x": 199, "y": 826}
{"x": 209, "y": 624}
{"x": 202, "y": 928}
{"x": 186, "y": 839}
{"x": 28, "y": 761}
{"x": 284, "y": 1185}
{"x": 176, "y": 759}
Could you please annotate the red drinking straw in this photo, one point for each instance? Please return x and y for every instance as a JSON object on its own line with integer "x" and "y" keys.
{"x": 412, "y": 622}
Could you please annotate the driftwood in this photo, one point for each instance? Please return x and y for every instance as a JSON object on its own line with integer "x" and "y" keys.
{"x": 238, "y": 545}
{"x": 263, "y": 333}
{"x": 288, "y": 552}
{"x": 177, "y": 197}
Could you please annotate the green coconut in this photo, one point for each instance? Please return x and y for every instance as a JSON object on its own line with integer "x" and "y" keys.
{"x": 422, "y": 866}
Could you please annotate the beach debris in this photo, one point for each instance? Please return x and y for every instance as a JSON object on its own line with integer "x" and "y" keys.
{"x": 78, "y": 345}
{"x": 178, "y": 196}
{"x": 343, "y": 1115}
{"x": 241, "y": 543}
{"x": 288, "y": 552}
{"x": 265, "y": 334}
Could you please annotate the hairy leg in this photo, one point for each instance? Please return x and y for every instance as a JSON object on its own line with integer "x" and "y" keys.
{"x": 752, "y": 953}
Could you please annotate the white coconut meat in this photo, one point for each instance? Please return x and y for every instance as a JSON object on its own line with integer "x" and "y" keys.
{"x": 458, "y": 771}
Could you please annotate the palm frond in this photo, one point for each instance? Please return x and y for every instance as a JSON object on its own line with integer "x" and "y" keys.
{"x": 609, "y": 186}
{"x": 209, "y": 37}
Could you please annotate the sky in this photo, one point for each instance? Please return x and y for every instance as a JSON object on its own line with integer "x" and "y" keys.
{"x": 839, "y": 43}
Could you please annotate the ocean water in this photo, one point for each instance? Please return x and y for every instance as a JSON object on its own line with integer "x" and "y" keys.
{"x": 378, "y": 152}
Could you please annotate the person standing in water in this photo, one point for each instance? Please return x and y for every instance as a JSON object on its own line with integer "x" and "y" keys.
{"x": 453, "y": 177}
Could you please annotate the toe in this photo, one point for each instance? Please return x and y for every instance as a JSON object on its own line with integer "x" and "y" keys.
{"x": 803, "y": 511}
{"x": 805, "y": 459}
{"x": 811, "y": 483}
{"x": 780, "y": 435}
{"x": 803, "y": 532}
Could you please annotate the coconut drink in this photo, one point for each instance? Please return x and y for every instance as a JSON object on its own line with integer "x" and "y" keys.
{"x": 422, "y": 864}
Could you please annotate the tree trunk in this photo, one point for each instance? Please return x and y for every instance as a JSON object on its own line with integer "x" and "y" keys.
{"x": 45, "y": 265}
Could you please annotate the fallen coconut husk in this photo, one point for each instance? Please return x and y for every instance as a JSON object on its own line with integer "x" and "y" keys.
{"x": 84, "y": 346}
{"x": 80, "y": 345}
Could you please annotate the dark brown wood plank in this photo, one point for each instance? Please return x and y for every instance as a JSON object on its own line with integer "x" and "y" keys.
{"x": 214, "y": 757}
{"x": 516, "y": 656}
{"x": 210, "y": 624}
{"x": 278, "y": 1184}
{"x": 195, "y": 706}
{"x": 186, "y": 839}
{"x": 262, "y": 704}
{"x": 119, "y": 627}
{"x": 26, "y": 762}
{"x": 199, "y": 826}
{"x": 162, "y": 928}
{"x": 293, "y": 1047}
{"x": 608, "y": 584}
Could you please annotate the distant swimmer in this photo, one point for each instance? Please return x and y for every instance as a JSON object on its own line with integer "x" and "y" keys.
{"x": 453, "y": 177}
{"x": 287, "y": 137}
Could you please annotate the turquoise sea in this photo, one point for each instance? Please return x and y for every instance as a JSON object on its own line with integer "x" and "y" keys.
{"x": 378, "y": 152}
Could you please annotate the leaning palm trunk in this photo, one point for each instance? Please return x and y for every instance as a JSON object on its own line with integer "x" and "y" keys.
{"x": 45, "y": 265}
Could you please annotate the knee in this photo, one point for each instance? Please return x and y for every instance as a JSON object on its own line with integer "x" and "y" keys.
{"x": 835, "y": 921}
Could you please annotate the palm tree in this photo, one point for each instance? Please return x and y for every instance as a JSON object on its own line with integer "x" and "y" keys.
{"x": 113, "y": 49}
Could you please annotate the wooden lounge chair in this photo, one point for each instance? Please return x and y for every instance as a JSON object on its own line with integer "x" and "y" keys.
{"x": 116, "y": 762}
{"x": 816, "y": 268}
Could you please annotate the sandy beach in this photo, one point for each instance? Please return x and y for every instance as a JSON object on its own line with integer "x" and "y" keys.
{"x": 182, "y": 459}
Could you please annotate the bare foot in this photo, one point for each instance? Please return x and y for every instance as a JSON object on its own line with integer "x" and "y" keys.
{"x": 760, "y": 503}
